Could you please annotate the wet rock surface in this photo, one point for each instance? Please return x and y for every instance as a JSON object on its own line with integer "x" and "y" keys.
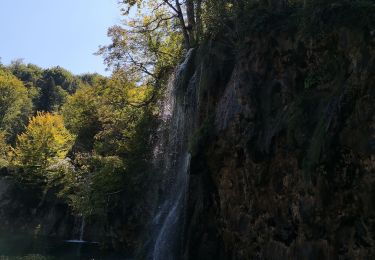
{"x": 288, "y": 169}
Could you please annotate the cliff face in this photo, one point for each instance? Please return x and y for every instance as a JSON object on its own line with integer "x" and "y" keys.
{"x": 23, "y": 210}
{"x": 283, "y": 164}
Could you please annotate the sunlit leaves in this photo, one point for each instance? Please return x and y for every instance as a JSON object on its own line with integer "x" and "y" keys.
{"x": 15, "y": 104}
{"x": 147, "y": 45}
{"x": 79, "y": 110}
{"x": 45, "y": 140}
{"x": 4, "y": 150}
{"x": 106, "y": 114}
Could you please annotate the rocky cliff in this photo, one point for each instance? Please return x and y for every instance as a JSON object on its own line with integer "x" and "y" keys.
{"x": 283, "y": 163}
{"x": 23, "y": 209}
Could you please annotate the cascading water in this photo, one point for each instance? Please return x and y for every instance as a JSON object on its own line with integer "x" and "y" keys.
{"x": 179, "y": 117}
{"x": 167, "y": 241}
{"x": 80, "y": 231}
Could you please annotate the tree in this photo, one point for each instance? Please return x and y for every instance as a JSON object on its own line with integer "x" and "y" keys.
{"x": 49, "y": 88}
{"x": 147, "y": 47}
{"x": 29, "y": 74}
{"x": 96, "y": 184}
{"x": 51, "y": 96}
{"x": 105, "y": 116}
{"x": 45, "y": 140}
{"x": 15, "y": 105}
{"x": 63, "y": 78}
{"x": 112, "y": 140}
{"x": 184, "y": 12}
{"x": 118, "y": 115}
{"x": 92, "y": 78}
{"x": 4, "y": 150}
{"x": 81, "y": 117}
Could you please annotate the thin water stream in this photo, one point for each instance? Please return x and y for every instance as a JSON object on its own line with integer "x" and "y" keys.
{"x": 172, "y": 153}
{"x": 81, "y": 234}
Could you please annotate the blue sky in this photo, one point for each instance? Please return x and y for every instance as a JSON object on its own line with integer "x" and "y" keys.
{"x": 57, "y": 32}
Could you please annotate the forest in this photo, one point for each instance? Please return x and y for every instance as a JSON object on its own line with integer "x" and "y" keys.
{"x": 228, "y": 129}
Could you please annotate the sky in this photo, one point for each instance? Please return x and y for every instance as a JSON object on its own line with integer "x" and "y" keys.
{"x": 62, "y": 33}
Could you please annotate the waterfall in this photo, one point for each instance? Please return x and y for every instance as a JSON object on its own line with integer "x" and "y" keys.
{"x": 82, "y": 229}
{"x": 167, "y": 241}
{"x": 179, "y": 116}
{"x": 79, "y": 232}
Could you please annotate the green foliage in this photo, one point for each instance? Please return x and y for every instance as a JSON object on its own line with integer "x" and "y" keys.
{"x": 104, "y": 182}
{"x": 48, "y": 88}
{"x": 92, "y": 79}
{"x": 63, "y": 78}
{"x": 91, "y": 185}
{"x": 105, "y": 116}
{"x": 4, "y": 150}
{"x": 113, "y": 130}
{"x": 29, "y": 74}
{"x": 51, "y": 96}
{"x": 81, "y": 118}
{"x": 112, "y": 120}
{"x": 15, "y": 105}
{"x": 144, "y": 55}
{"x": 45, "y": 140}
{"x": 117, "y": 116}
{"x": 80, "y": 110}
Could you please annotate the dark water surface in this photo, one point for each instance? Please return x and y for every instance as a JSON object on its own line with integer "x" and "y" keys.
{"x": 16, "y": 246}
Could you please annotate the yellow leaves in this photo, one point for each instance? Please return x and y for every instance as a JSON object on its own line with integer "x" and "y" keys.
{"x": 45, "y": 140}
{"x": 147, "y": 20}
{"x": 79, "y": 110}
{"x": 147, "y": 45}
{"x": 7, "y": 79}
{"x": 105, "y": 116}
{"x": 15, "y": 104}
{"x": 229, "y": 6}
{"x": 138, "y": 95}
{"x": 132, "y": 23}
{"x": 4, "y": 150}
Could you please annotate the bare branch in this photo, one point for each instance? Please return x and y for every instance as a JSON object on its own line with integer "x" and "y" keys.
{"x": 140, "y": 65}
{"x": 159, "y": 20}
{"x": 172, "y": 7}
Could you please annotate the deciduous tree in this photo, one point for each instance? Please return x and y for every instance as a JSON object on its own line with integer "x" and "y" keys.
{"x": 45, "y": 140}
{"x": 15, "y": 105}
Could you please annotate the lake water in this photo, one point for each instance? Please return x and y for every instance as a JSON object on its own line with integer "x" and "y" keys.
{"x": 27, "y": 247}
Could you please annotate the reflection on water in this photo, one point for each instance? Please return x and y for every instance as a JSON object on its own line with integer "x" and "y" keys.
{"x": 19, "y": 246}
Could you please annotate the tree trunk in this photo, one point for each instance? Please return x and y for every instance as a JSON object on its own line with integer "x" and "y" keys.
{"x": 190, "y": 12}
{"x": 199, "y": 24}
{"x": 183, "y": 26}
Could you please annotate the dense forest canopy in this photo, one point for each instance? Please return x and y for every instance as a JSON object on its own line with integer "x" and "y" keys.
{"x": 61, "y": 130}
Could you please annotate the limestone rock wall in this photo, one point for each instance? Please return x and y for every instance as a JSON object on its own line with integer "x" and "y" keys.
{"x": 283, "y": 164}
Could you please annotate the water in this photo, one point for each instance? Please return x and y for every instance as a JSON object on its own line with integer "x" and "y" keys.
{"x": 171, "y": 153}
{"x": 20, "y": 246}
{"x": 81, "y": 232}
{"x": 169, "y": 236}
